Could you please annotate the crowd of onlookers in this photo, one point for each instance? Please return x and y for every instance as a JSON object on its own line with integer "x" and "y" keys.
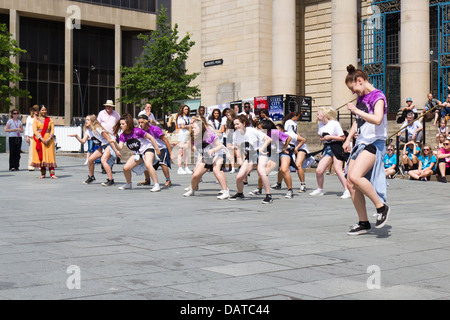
{"x": 416, "y": 159}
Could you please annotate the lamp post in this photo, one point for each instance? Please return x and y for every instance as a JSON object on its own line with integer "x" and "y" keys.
{"x": 83, "y": 95}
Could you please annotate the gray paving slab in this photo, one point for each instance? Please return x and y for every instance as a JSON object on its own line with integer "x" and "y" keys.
{"x": 140, "y": 245}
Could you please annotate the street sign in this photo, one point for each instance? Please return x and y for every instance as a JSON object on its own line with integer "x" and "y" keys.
{"x": 211, "y": 63}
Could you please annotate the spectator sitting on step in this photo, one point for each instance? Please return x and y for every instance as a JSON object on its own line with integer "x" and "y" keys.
{"x": 443, "y": 158}
{"x": 414, "y": 129}
{"x": 439, "y": 143}
{"x": 430, "y": 104}
{"x": 445, "y": 111}
{"x": 411, "y": 152}
{"x": 442, "y": 129}
{"x": 427, "y": 165}
{"x": 405, "y": 110}
{"x": 390, "y": 162}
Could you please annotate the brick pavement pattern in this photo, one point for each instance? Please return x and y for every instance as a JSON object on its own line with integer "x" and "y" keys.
{"x": 134, "y": 244}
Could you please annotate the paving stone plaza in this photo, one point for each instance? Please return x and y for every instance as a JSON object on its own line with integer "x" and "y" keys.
{"x": 60, "y": 239}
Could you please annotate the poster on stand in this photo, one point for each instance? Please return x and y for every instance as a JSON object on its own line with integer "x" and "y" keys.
{"x": 276, "y": 107}
{"x": 301, "y": 104}
{"x": 260, "y": 103}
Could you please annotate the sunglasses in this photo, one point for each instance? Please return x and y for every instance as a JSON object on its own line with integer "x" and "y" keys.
{"x": 390, "y": 149}
{"x": 426, "y": 149}
{"x": 15, "y": 113}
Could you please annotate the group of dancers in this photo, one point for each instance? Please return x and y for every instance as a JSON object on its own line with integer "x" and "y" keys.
{"x": 262, "y": 146}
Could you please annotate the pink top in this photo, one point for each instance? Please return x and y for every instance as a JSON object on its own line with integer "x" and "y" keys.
{"x": 447, "y": 160}
{"x": 108, "y": 121}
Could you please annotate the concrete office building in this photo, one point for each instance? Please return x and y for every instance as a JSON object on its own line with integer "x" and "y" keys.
{"x": 268, "y": 47}
{"x": 303, "y": 47}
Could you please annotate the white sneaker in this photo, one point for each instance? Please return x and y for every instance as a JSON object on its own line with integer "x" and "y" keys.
{"x": 126, "y": 186}
{"x": 225, "y": 195}
{"x": 189, "y": 193}
{"x": 189, "y": 188}
{"x": 317, "y": 192}
{"x": 156, "y": 188}
{"x": 181, "y": 171}
{"x": 302, "y": 188}
{"x": 346, "y": 195}
{"x": 187, "y": 170}
{"x": 232, "y": 171}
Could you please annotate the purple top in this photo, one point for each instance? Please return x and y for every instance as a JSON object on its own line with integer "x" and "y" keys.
{"x": 136, "y": 141}
{"x": 369, "y": 100}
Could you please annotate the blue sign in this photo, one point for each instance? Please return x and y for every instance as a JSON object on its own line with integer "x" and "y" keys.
{"x": 276, "y": 107}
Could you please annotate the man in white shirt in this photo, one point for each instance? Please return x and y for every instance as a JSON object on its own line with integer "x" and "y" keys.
{"x": 250, "y": 115}
{"x": 414, "y": 129}
{"x": 148, "y": 112}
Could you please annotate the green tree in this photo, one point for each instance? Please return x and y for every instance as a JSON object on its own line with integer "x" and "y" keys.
{"x": 160, "y": 75}
{"x": 9, "y": 72}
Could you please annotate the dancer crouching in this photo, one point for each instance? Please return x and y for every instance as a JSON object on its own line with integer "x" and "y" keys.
{"x": 332, "y": 136}
{"x": 94, "y": 131}
{"x": 210, "y": 151}
{"x": 253, "y": 144}
{"x": 142, "y": 144}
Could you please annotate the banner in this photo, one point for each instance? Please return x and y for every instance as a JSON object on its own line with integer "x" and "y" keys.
{"x": 276, "y": 107}
{"x": 300, "y": 104}
{"x": 260, "y": 103}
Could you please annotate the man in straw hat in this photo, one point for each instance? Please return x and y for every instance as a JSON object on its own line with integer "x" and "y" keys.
{"x": 108, "y": 119}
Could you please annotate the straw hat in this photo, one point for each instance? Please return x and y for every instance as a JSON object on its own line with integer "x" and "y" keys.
{"x": 109, "y": 103}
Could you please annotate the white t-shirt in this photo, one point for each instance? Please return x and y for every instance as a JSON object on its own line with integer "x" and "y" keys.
{"x": 152, "y": 117}
{"x": 14, "y": 125}
{"x": 249, "y": 116}
{"x": 183, "y": 133}
{"x": 216, "y": 125}
{"x": 413, "y": 127}
{"x": 96, "y": 136}
{"x": 368, "y": 133}
{"x": 254, "y": 137}
{"x": 295, "y": 142}
{"x": 290, "y": 126}
{"x": 29, "y": 127}
{"x": 333, "y": 128}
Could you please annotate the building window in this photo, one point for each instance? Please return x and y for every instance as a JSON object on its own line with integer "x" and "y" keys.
{"x": 43, "y": 64}
{"x": 93, "y": 47}
{"x": 135, "y": 5}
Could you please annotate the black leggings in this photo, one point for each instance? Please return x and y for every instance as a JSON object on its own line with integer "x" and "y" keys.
{"x": 15, "y": 146}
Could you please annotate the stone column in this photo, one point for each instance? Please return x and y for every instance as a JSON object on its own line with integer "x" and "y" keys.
{"x": 344, "y": 48}
{"x": 117, "y": 64}
{"x": 284, "y": 51}
{"x": 415, "y": 51}
{"x": 14, "y": 29}
{"x": 68, "y": 75}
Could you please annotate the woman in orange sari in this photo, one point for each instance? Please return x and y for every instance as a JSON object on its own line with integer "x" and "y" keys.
{"x": 44, "y": 151}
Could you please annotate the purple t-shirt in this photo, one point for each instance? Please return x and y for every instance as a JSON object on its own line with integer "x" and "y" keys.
{"x": 156, "y": 133}
{"x": 136, "y": 141}
{"x": 278, "y": 139}
{"x": 369, "y": 133}
{"x": 207, "y": 143}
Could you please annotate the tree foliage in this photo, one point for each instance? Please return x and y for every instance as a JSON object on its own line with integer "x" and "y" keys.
{"x": 160, "y": 75}
{"x": 9, "y": 72}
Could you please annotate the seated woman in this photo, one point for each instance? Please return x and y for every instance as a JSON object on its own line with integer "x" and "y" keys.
{"x": 390, "y": 162}
{"x": 427, "y": 162}
{"x": 411, "y": 152}
{"x": 443, "y": 158}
